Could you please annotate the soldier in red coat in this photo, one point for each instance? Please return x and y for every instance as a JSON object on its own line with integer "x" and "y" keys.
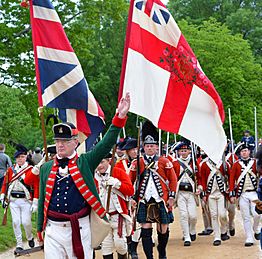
{"x": 214, "y": 188}
{"x": 130, "y": 148}
{"x": 244, "y": 177}
{"x": 187, "y": 191}
{"x": 120, "y": 221}
{"x": 205, "y": 208}
{"x": 22, "y": 192}
{"x": 156, "y": 191}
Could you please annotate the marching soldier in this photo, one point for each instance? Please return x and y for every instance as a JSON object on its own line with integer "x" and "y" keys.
{"x": 22, "y": 193}
{"x": 120, "y": 221}
{"x": 204, "y": 205}
{"x": 213, "y": 181}
{"x": 156, "y": 191}
{"x": 68, "y": 196}
{"x": 245, "y": 176}
{"x": 231, "y": 207}
{"x": 130, "y": 148}
{"x": 187, "y": 192}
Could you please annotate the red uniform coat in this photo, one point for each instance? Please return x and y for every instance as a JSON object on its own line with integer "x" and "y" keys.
{"x": 123, "y": 165}
{"x": 165, "y": 170}
{"x": 205, "y": 171}
{"x": 236, "y": 172}
{"x": 178, "y": 170}
{"x": 30, "y": 179}
{"x": 126, "y": 187}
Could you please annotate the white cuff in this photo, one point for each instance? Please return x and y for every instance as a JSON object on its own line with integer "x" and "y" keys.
{"x": 35, "y": 170}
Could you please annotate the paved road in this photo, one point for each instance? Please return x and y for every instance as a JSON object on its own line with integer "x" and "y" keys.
{"x": 202, "y": 248}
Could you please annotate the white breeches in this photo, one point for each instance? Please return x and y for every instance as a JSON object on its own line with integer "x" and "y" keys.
{"x": 58, "y": 239}
{"x": 137, "y": 233}
{"x": 247, "y": 209}
{"x": 113, "y": 240}
{"x": 21, "y": 214}
{"x": 188, "y": 213}
{"x": 218, "y": 213}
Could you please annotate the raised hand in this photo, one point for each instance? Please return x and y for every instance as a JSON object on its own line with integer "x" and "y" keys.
{"x": 123, "y": 106}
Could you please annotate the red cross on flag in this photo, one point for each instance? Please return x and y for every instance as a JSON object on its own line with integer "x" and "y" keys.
{"x": 166, "y": 82}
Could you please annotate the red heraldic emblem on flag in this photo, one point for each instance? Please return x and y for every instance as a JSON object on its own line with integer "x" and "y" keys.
{"x": 60, "y": 79}
{"x": 166, "y": 82}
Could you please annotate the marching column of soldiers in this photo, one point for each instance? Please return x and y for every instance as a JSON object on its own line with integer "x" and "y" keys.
{"x": 96, "y": 201}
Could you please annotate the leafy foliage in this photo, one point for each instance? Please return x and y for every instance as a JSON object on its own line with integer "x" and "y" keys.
{"x": 96, "y": 30}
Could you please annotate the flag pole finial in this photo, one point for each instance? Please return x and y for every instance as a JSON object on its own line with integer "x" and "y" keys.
{"x": 24, "y": 4}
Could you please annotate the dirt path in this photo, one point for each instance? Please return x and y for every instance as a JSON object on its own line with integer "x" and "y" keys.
{"x": 202, "y": 248}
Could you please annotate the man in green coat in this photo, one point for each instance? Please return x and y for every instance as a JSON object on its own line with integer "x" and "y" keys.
{"x": 68, "y": 196}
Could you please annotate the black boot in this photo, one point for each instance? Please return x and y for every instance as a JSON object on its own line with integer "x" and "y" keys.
{"x": 119, "y": 256}
{"x": 31, "y": 243}
{"x": 146, "y": 235}
{"x": 133, "y": 250}
{"x": 162, "y": 243}
{"x": 108, "y": 256}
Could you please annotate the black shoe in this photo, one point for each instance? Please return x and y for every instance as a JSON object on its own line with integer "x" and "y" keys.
{"x": 209, "y": 231}
{"x": 134, "y": 255}
{"x": 225, "y": 237}
{"x": 248, "y": 244}
{"x": 217, "y": 243}
{"x": 98, "y": 247}
{"x": 193, "y": 237}
{"x": 187, "y": 243}
{"x": 18, "y": 250}
{"x": 205, "y": 232}
{"x": 31, "y": 243}
{"x": 257, "y": 236}
{"x": 232, "y": 232}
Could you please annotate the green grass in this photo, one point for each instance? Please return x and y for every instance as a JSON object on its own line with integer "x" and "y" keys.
{"x": 7, "y": 237}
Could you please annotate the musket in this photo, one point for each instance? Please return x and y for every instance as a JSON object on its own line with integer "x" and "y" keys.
{"x": 6, "y": 201}
{"x": 194, "y": 172}
{"x": 224, "y": 163}
{"x": 138, "y": 160}
{"x": 139, "y": 126}
{"x": 111, "y": 172}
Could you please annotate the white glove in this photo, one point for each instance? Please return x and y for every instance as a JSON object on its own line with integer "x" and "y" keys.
{"x": 114, "y": 182}
{"x": 36, "y": 168}
{"x": 34, "y": 205}
{"x": 2, "y": 199}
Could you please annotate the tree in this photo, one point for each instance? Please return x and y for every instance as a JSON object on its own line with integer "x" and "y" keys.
{"x": 15, "y": 122}
{"x": 244, "y": 17}
{"x": 236, "y": 76}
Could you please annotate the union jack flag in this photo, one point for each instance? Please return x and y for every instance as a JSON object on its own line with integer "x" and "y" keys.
{"x": 60, "y": 79}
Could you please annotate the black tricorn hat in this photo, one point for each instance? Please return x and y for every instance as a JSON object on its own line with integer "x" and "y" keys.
{"x": 184, "y": 144}
{"x": 20, "y": 150}
{"x": 241, "y": 146}
{"x": 65, "y": 130}
{"x": 149, "y": 133}
{"x": 51, "y": 149}
{"x": 108, "y": 155}
{"x": 130, "y": 144}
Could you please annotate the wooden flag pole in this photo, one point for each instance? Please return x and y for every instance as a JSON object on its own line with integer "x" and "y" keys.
{"x": 41, "y": 114}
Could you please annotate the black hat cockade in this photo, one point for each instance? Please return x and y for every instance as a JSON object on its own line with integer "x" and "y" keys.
{"x": 65, "y": 130}
{"x": 130, "y": 144}
{"x": 149, "y": 133}
{"x": 20, "y": 150}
